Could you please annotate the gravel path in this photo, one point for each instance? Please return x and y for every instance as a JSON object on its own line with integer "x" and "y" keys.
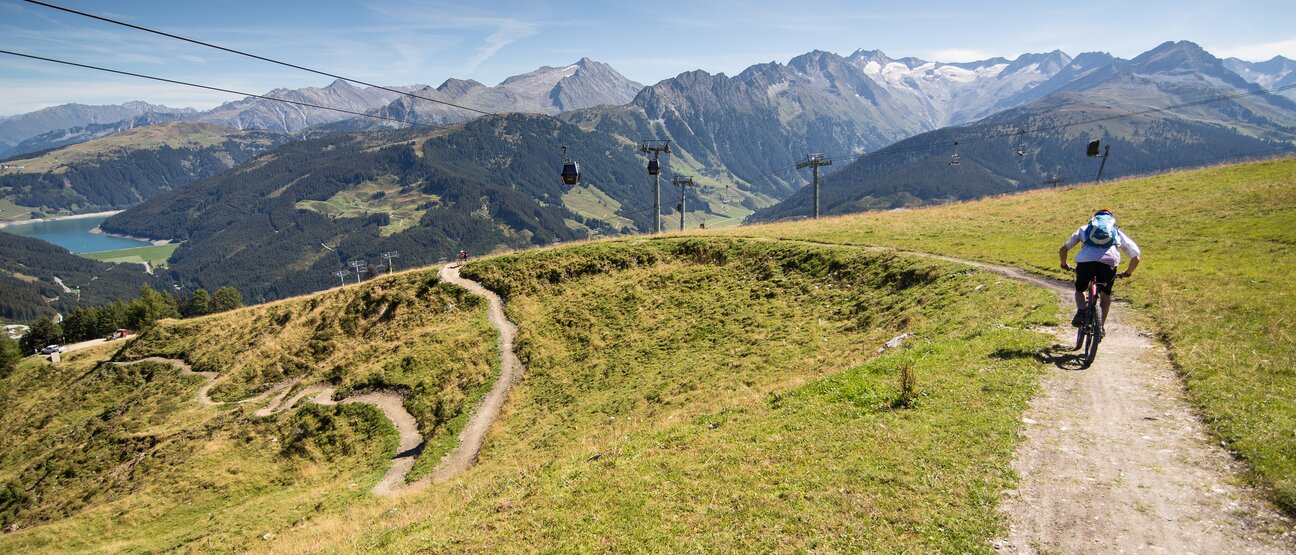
{"x": 1114, "y": 460}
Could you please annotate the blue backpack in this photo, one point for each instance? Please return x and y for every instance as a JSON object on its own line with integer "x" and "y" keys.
{"x": 1101, "y": 231}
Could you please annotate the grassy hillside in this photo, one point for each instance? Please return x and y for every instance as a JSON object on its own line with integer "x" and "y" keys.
{"x": 156, "y": 255}
{"x": 699, "y": 394}
{"x": 713, "y": 395}
{"x": 1218, "y": 277}
{"x": 408, "y": 333}
{"x": 98, "y": 457}
{"x": 122, "y": 459}
{"x": 681, "y": 395}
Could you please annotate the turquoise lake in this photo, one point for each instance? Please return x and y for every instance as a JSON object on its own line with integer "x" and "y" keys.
{"x": 74, "y": 235}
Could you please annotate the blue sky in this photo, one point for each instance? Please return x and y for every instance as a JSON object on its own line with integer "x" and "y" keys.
{"x": 406, "y": 42}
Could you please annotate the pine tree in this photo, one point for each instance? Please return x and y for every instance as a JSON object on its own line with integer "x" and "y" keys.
{"x": 150, "y": 307}
{"x": 226, "y": 298}
{"x": 200, "y": 303}
{"x": 10, "y": 354}
{"x": 43, "y": 332}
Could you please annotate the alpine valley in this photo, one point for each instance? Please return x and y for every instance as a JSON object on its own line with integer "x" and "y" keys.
{"x": 302, "y": 191}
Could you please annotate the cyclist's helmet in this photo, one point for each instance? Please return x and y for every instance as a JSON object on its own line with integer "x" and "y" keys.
{"x": 1104, "y": 210}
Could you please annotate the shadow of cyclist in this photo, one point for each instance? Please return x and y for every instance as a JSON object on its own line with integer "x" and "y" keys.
{"x": 1061, "y": 356}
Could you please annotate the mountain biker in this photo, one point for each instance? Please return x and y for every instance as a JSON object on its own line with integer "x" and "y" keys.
{"x": 1099, "y": 258}
{"x": 463, "y": 256}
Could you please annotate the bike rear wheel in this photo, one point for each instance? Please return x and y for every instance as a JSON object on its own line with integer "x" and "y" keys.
{"x": 1092, "y": 335}
{"x": 1080, "y": 336}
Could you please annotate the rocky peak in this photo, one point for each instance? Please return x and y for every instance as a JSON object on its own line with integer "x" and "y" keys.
{"x": 458, "y": 87}
{"x": 1048, "y": 63}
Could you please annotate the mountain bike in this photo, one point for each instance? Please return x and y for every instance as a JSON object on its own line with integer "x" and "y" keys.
{"x": 1090, "y": 332}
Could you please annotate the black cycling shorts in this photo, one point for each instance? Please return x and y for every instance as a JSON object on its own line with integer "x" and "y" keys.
{"x": 1086, "y": 271}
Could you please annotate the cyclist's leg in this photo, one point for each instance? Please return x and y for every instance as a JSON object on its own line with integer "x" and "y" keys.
{"x": 1084, "y": 273}
{"x": 1106, "y": 277}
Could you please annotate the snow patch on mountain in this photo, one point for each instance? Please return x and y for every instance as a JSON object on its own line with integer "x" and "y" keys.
{"x": 956, "y": 93}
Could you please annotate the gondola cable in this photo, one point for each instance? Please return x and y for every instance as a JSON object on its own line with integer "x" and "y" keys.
{"x": 219, "y": 89}
{"x": 270, "y": 60}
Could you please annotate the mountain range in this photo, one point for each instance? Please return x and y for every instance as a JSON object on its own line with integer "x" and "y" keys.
{"x": 547, "y": 90}
{"x": 17, "y": 128}
{"x": 1043, "y": 142}
{"x": 281, "y": 225}
{"x": 1278, "y": 72}
{"x": 278, "y": 225}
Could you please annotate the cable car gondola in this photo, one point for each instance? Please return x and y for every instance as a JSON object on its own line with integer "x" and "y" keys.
{"x": 571, "y": 170}
{"x": 1021, "y": 142}
{"x": 954, "y": 160}
{"x": 653, "y": 167}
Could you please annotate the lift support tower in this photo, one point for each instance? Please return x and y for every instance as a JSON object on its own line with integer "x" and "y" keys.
{"x": 814, "y": 161}
{"x": 655, "y": 147}
{"x": 682, "y": 183}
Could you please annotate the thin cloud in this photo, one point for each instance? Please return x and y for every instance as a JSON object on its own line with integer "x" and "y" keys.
{"x": 958, "y": 55}
{"x": 508, "y": 33}
{"x": 1258, "y": 52}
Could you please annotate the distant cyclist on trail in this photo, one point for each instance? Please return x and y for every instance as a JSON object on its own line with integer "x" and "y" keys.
{"x": 1100, "y": 256}
{"x": 463, "y": 256}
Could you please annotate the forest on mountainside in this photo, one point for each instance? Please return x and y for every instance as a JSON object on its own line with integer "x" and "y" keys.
{"x": 489, "y": 184}
{"x": 121, "y": 178}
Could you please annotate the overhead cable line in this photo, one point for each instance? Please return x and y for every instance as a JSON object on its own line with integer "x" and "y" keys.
{"x": 270, "y": 60}
{"x": 220, "y": 89}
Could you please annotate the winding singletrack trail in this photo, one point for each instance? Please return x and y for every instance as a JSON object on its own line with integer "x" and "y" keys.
{"x": 1114, "y": 459}
{"x": 391, "y": 404}
{"x": 463, "y": 456}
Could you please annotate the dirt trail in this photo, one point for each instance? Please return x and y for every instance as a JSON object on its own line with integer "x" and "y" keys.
{"x": 392, "y": 406}
{"x": 1114, "y": 460}
{"x": 463, "y": 456}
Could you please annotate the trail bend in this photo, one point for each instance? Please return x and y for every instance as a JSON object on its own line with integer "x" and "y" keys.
{"x": 389, "y": 403}
{"x": 459, "y": 459}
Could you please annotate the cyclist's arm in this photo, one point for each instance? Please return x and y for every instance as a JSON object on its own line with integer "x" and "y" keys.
{"x": 1134, "y": 262}
{"x": 1070, "y": 243}
{"x": 1132, "y": 249}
